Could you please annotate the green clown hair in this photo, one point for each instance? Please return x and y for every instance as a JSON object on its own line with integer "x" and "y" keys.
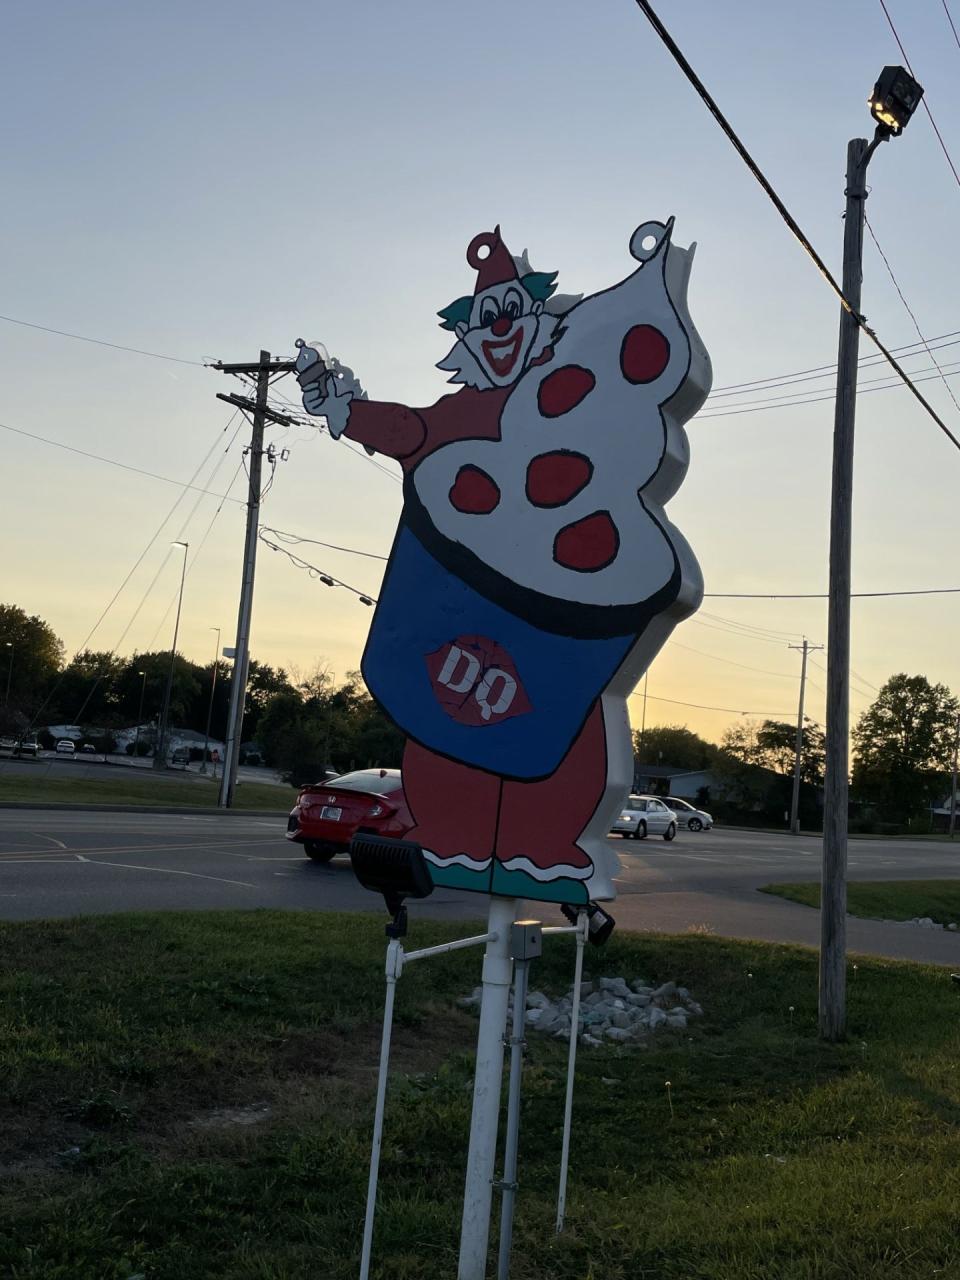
{"x": 538, "y": 284}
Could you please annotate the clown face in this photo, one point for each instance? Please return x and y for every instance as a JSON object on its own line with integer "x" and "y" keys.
{"x": 501, "y": 334}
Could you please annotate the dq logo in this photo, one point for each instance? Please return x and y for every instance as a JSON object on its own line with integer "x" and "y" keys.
{"x": 476, "y": 682}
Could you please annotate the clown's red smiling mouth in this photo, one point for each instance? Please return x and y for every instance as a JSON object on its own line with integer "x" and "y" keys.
{"x": 502, "y": 356}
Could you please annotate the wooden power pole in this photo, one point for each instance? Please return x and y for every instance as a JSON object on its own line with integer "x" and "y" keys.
{"x": 264, "y": 370}
{"x": 798, "y": 758}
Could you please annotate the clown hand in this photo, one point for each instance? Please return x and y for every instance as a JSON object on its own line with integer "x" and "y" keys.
{"x": 328, "y": 389}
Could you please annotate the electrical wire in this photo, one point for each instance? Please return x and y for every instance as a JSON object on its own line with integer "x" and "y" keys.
{"x": 326, "y": 578}
{"x": 293, "y": 539}
{"x": 825, "y": 370}
{"x": 647, "y": 9}
{"x": 909, "y": 311}
{"x": 100, "y": 342}
{"x": 823, "y": 595}
{"x": 97, "y": 457}
{"x": 950, "y": 20}
{"x": 783, "y": 675}
{"x": 142, "y": 556}
{"x": 923, "y": 100}
{"x": 735, "y": 711}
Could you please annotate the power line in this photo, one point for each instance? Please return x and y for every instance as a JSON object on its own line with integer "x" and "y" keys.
{"x": 786, "y": 215}
{"x": 823, "y": 595}
{"x": 926, "y": 105}
{"x": 321, "y": 575}
{"x": 100, "y": 342}
{"x": 783, "y": 675}
{"x": 293, "y": 539}
{"x": 950, "y": 20}
{"x": 137, "y": 563}
{"x": 734, "y": 711}
{"x": 826, "y": 369}
{"x": 909, "y": 311}
{"x": 98, "y": 457}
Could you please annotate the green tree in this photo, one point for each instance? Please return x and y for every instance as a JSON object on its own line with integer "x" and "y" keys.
{"x": 903, "y": 746}
{"x": 31, "y": 654}
{"x": 673, "y": 744}
{"x": 776, "y": 742}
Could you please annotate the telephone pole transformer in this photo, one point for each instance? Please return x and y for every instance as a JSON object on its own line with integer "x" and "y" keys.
{"x": 264, "y": 370}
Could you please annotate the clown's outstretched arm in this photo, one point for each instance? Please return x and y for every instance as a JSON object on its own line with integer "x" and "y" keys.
{"x": 331, "y": 391}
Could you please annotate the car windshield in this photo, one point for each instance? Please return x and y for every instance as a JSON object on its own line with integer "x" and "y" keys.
{"x": 378, "y": 781}
{"x": 636, "y": 804}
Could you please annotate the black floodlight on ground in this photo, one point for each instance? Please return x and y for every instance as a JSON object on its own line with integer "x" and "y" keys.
{"x": 395, "y": 868}
{"x": 895, "y": 97}
{"x": 600, "y": 923}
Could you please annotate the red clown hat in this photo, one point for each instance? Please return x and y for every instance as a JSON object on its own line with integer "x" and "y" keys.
{"x": 496, "y": 266}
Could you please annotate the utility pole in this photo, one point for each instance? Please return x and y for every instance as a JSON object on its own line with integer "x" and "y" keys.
{"x": 136, "y": 739}
{"x": 160, "y": 753}
{"x": 953, "y": 793}
{"x": 213, "y": 686}
{"x": 798, "y": 759}
{"x": 895, "y": 97}
{"x": 264, "y": 370}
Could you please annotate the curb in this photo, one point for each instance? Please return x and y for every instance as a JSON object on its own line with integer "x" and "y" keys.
{"x": 181, "y": 810}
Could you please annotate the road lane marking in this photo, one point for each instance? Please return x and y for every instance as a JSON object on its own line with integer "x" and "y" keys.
{"x": 147, "y": 848}
{"x": 170, "y": 871}
{"x": 40, "y": 836}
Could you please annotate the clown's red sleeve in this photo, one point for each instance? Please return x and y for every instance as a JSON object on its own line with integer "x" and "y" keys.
{"x": 390, "y": 429}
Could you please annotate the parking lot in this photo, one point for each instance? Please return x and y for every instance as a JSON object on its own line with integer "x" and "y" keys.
{"x": 64, "y": 863}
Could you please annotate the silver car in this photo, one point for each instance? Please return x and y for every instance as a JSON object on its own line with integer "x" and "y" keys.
{"x": 646, "y": 815}
{"x": 689, "y": 816}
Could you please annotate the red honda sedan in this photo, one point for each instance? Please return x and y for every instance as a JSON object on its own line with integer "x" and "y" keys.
{"x": 327, "y": 815}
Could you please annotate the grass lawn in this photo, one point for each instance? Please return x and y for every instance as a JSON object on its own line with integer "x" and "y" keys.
{"x": 886, "y": 899}
{"x": 125, "y": 789}
{"x": 190, "y": 1097}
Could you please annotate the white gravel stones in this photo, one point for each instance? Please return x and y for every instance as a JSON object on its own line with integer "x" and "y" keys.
{"x": 612, "y": 1011}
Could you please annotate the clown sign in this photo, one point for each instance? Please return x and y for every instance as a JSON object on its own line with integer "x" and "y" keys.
{"x": 534, "y": 575}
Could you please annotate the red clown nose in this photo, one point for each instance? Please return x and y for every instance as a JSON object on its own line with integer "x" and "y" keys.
{"x": 494, "y": 267}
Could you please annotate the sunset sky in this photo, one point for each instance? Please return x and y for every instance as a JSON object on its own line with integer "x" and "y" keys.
{"x": 201, "y": 181}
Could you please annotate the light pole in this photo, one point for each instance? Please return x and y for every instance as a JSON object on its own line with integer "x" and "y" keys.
{"x": 213, "y": 685}
{"x": 895, "y": 97}
{"x": 6, "y": 697}
{"x": 143, "y": 690}
{"x": 159, "y": 758}
{"x": 953, "y": 793}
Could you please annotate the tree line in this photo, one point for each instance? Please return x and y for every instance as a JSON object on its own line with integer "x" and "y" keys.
{"x": 305, "y": 726}
{"x": 903, "y": 749}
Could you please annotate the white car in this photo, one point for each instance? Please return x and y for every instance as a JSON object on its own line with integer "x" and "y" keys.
{"x": 646, "y": 815}
{"x": 65, "y": 747}
{"x": 689, "y": 815}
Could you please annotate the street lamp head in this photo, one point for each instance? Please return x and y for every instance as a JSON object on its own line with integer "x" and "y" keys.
{"x": 185, "y": 545}
{"x": 895, "y": 97}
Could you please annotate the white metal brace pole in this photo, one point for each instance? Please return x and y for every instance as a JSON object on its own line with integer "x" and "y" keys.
{"x": 484, "y": 1122}
{"x": 583, "y": 926}
{"x": 396, "y": 958}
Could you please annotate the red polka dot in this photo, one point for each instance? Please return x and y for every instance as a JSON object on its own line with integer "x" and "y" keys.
{"x": 473, "y": 492}
{"x": 644, "y": 353}
{"x": 563, "y": 390}
{"x": 589, "y": 544}
{"x": 555, "y": 478}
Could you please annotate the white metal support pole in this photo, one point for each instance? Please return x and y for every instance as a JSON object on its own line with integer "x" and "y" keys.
{"x": 582, "y": 927}
{"x": 484, "y": 1122}
{"x": 511, "y": 1147}
{"x": 953, "y": 793}
{"x": 394, "y": 969}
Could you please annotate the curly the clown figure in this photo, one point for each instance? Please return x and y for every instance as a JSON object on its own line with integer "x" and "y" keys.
{"x": 534, "y": 575}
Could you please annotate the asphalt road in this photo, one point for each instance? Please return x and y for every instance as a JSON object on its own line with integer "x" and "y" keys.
{"x": 66, "y": 863}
